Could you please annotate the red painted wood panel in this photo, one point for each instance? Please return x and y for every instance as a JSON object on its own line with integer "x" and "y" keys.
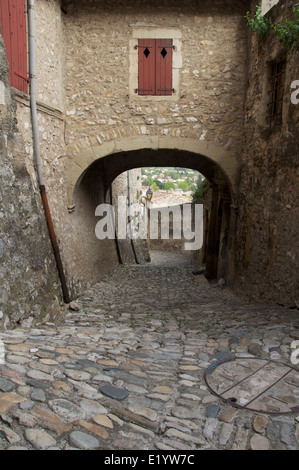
{"x": 155, "y": 67}
{"x": 164, "y": 67}
{"x": 5, "y": 27}
{"x": 19, "y": 44}
{"x": 146, "y": 67}
{"x": 14, "y": 32}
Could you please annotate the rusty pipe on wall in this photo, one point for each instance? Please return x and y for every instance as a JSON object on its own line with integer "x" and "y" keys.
{"x": 36, "y": 150}
{"x": 55, "y": 246}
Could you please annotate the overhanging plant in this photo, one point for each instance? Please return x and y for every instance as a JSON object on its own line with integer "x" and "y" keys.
{"x": 288, "y": 31}
{"x": 258, "y": 24}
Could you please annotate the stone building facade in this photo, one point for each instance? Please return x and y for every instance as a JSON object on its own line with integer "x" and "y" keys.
{"x": 111, "y": 128}
{"x": 94, "y": 126}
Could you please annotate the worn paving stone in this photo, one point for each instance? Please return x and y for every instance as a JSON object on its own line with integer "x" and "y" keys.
{"x": 38, "y": 395}
{"x": 9, "y": 400}
{"x": 212, "y": 411}
{"x": 93, "y": 428}
{"x": 225, "y": 433}
{"x": 58, "y": 384}
{"x": 260, "y": 423}
{"x": 210, "y": 428}
{"x": 11, "y": 436}
{"x": 182, "y": 412}
{"x": 39, "y": 375}
{"x": 25, "y": 419}
{"x": 241, "y": 439}
{"x": 38, "y": 383}
{"x": 83, "y": 441}
{"x": 258, "y": 442}
{"x": 67, "y": 410}
{"x": 103, "y": 421}
{"x": 49, "y": 420}
{"x": 92, "y": 407}
{"x": 144, "y": 411}
{"x": 114, "y": 392}
{"x": 129, "y": 372}
{"x": 185, "y": 436}
{"x": 16, "y": 448}
{"x": 39, "y": 439}
{"x": 6, "y": 385}
{"x": 227, "y": 414}
{"x": 286, "y": 433}
{"x": 77, "y": 374}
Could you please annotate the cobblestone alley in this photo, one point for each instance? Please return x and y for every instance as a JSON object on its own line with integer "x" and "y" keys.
{"x": 126, "y": 370}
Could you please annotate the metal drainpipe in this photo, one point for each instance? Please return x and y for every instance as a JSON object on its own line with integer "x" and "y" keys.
{"x": 36, "y": 149}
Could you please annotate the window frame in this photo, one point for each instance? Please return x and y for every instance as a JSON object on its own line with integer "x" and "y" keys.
{"x": 155, "y": 32}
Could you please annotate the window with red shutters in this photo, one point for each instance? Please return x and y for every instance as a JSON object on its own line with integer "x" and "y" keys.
{"x": 14, "y": 32}
{"x": 155, "y": 67}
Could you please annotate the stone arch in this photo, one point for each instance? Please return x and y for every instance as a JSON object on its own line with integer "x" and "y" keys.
{"x": 120, "y": 155}
{"x": 94, "y": 167}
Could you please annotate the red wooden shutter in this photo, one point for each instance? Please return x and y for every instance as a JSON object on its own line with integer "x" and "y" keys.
{"x": 14, "y": 32}
{"x": 163, "y": 66}
{"x": 155, "y": 67}
{"x": 146, "y": 67}
{"x": 5, "y": 27}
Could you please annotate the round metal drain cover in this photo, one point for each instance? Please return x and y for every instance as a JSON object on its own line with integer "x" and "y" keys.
{"x": 255, "y": 384}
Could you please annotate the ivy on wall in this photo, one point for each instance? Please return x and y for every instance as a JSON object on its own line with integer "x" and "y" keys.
{"x": 288, "y": 31}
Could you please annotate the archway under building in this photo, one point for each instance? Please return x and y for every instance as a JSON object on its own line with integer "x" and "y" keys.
{"x": 93, "y": 187}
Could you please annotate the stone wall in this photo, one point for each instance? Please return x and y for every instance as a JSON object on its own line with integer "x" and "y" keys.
{"x": 170, "y": 228}
{"x": 104, "y": 117}
{"x": 267, "y": 5}
{"x": 28, "y": 277}
{"x": 210, "y": 40}
{"x": 267, "y": 244}
{"x": 128, "y": 186}
{"x": 50, "y": 105}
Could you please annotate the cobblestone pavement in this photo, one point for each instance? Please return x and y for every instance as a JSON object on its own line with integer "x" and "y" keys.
{"x": 125, "y": 369}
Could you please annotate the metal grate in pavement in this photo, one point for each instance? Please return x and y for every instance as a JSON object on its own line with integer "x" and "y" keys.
{"x": 255, "y": 384}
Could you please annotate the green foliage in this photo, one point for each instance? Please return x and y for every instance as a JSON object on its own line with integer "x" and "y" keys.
{"x": 153, "y": 175}
{"x": 149, "y": 181}
{"x": 288, "y": 31}
{"x": 169, "y": 185}
{"x": 200, "y": 190}
{"x": 184, "y": 185}
{"x": 258, "y": 24}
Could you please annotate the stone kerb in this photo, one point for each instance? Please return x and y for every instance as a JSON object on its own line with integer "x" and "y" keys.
{"x": 85, "y": 152}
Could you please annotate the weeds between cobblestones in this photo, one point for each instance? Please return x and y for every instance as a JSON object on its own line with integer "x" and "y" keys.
{"x": 126, "y": 370}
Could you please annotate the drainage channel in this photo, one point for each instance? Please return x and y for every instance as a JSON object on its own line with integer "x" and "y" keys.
{"x": 255, "y": 384}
